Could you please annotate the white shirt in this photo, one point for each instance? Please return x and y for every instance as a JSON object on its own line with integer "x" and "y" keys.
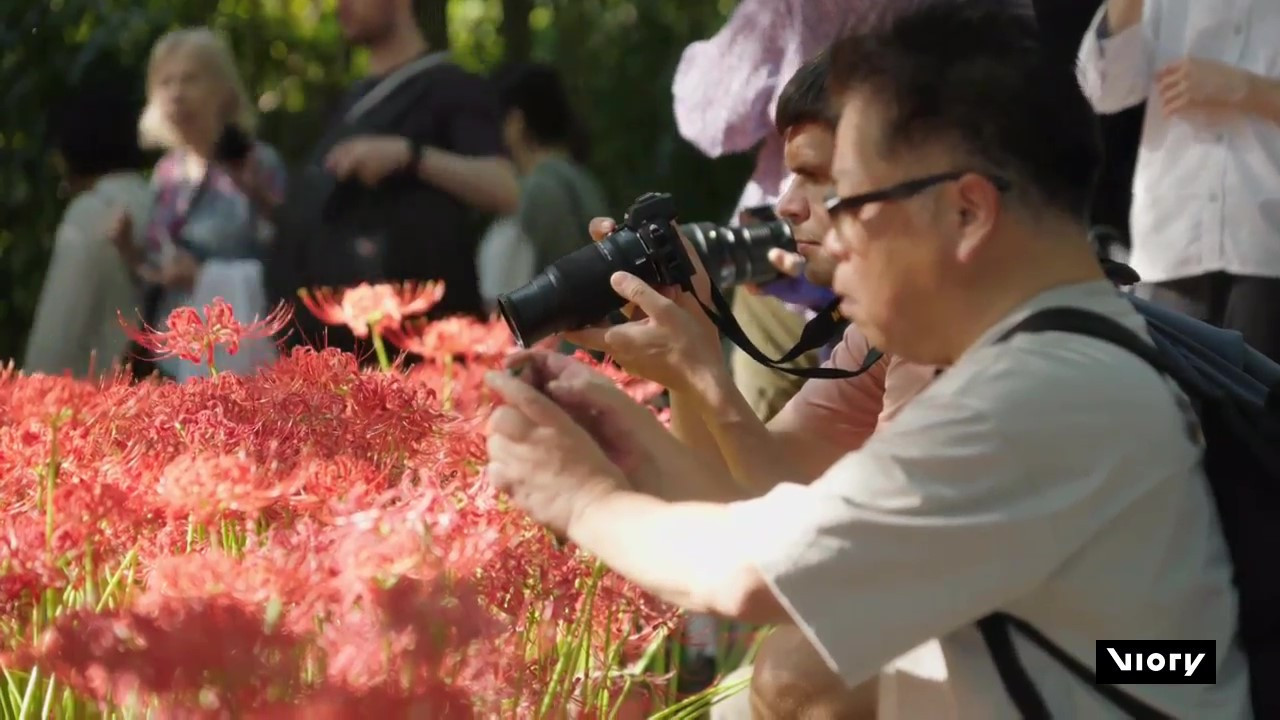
{"x": 1206, "y": 194}
{"x": 1051, "y": 476}
{"x": 76, "y": 328}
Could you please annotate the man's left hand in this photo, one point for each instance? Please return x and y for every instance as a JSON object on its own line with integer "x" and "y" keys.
{"x": 552, "y": 468}
{"x": 370, "y": 158}
{"x": 1196, "y": 84}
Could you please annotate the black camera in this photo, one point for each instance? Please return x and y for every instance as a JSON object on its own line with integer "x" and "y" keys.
{"x": 234, "y": 145}
{"x": 574, "y": 292}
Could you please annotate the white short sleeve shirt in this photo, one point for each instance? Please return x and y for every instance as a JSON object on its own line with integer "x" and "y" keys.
{"x": 1052, "y": 476}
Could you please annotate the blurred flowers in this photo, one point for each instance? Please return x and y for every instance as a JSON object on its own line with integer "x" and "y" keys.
{"x": 193, "y": 338}
{"x": 313, "y": 541}
{"x": 377, "y": 307}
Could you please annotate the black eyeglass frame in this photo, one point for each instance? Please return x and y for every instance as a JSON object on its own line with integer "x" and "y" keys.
{"x": 851, "y": 204}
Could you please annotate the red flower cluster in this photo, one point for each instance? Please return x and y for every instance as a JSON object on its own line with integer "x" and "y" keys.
{"x": 195, "y": 339}
{"x": 312, "y": 541}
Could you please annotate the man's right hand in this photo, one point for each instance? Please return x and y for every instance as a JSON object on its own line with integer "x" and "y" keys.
{"x": 668, "y": 340}
{"x": 121, "y": 234}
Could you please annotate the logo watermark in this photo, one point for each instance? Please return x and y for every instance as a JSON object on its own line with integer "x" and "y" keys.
{"x": 1157, "y": 662}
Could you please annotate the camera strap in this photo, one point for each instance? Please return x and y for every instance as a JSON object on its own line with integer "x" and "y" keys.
{"x": 817, "y": 332}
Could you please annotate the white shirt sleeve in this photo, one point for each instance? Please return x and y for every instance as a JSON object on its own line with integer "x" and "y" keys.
{"x": 942, "y": 502}
{"x": 1116, "y": 73}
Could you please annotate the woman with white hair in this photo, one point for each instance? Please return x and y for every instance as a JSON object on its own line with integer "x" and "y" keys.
{"x": 215, "y": 187}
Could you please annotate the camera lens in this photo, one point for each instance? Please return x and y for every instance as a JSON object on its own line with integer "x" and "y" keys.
{"x": 737, "y": 255}
{"x": 574, "y": 291}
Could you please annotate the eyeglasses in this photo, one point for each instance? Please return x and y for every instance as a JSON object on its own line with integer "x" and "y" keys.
{"x": 852, "y": 204}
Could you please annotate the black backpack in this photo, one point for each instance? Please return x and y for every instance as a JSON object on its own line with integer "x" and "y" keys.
{"x": 1236, "y": 394}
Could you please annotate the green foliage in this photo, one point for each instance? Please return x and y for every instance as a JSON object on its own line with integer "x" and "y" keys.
{"x": 618, "y": 55}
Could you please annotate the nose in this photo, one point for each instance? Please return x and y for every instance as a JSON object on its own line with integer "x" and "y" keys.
{"x": 792, "y": 206}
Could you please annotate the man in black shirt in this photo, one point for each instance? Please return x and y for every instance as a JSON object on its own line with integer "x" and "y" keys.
{"x": 385, "y": 196}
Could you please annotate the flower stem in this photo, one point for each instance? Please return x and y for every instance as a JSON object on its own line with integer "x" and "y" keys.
{"x": 379, "y": 348}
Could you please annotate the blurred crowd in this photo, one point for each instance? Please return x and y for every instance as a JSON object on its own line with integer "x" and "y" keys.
{"x": 414, "y": 154}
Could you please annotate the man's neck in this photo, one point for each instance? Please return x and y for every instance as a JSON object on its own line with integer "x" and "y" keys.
{"x": 1050, "y": 263}
{"x": 401, "y": 46}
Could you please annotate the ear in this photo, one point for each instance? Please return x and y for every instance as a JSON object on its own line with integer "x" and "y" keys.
{"x": 977, "y": 205}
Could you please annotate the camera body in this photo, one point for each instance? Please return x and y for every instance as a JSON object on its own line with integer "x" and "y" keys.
{"x": 234, "y": 145}
{"x": 650, "y": 221}
{"x": 575, "y": 292}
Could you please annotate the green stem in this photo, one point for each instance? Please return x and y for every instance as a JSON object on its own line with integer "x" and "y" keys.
{"x": 51, "y": 480}
{"x": 379, "y": 348}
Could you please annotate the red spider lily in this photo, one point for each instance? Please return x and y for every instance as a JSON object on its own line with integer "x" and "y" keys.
{"x": 195, "y": 339}
{"x": 452, "y": 337}
{"x": 381, "y": 307}
{"x": 312, "y": 540}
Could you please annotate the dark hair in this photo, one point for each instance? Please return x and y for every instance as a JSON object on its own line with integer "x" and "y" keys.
{"x": 805, "y": 99}
{"x": 95, "y": 126}
{"x": 537, "y": 91}
{"x": 975, "y": 73}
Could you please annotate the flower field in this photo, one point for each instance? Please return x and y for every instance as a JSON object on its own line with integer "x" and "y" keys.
{"x": 315, "y": 540}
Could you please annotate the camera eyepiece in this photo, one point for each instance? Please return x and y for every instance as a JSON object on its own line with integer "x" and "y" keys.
{"x": 574, "y": 292}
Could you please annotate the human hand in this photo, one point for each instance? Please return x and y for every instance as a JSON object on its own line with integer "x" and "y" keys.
{"x": 788, "y": 263}
{"x": 1192, "y": 84}
{"x": 663, "y": 342}
{"x": 626, "y": 431}
{"x": 552, "y": 468}
{"x": 120, "y": 233}
{"x": 369, "y": 158}
{"x": 178, "y": 273}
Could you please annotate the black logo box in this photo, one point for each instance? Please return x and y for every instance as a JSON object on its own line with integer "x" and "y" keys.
{"x": 1157, "y": 662}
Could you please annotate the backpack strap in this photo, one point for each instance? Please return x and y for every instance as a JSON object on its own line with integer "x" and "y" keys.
{"x": 1090, "y": 324}
{"x": 996, "y": 628}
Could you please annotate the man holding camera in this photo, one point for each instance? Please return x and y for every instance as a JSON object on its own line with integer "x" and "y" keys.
{"x": 1046, "y": 475}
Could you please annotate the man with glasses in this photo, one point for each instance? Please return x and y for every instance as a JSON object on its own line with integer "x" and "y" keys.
{"x": 1045, "y": 475}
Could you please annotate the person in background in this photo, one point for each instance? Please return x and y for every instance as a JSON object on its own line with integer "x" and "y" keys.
{"x": 215, "y": 187}
{"x": 76, "y": 329}
{"x": 558, "y": 196}
{"x": 387, "y": 193}
{"x": 1205, "y": 219}
{"x": 1062, "y": 24}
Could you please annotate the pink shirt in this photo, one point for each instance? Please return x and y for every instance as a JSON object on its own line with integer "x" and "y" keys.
{"x": 846, "y": 412}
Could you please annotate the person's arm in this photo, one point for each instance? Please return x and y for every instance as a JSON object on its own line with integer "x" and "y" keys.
{"x": 68, "y": 301}
{"x": 1115, "y": 62}
{"x": 855, "y": 560}
{"x": 1262, "y": 99}
{"x": 825, "y": 420}
{"x": 486, "y": 183}
{"x": 723, "y": 85}
{"x": 687, "y": 553}
{"x": 472, "y": 166}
